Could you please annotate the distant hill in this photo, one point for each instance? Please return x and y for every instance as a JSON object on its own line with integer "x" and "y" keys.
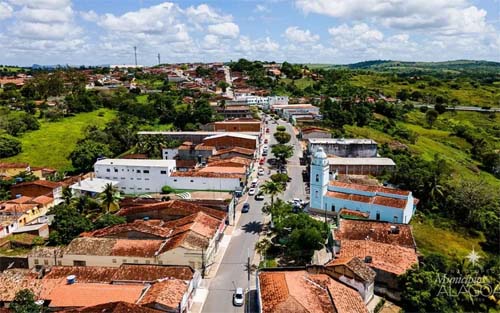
{"x": 401, "y": 66}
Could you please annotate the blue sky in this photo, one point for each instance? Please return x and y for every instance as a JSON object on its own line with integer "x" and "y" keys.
{"x": 305, "y": 31}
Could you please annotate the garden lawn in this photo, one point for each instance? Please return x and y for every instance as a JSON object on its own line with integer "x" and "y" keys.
{"x": 51, "y": 145}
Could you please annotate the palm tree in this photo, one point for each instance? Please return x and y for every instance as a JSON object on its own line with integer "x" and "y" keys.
{"x": 272, "y": 188}
{"x": 109, "y": 196}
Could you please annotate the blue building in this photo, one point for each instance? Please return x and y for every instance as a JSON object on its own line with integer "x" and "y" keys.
{"x": 378, "y": 203}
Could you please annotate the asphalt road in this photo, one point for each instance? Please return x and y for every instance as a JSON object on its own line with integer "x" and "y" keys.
{"x": 232, "y": 271}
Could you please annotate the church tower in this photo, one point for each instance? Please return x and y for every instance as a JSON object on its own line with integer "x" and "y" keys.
{"x": 320, "y": 174}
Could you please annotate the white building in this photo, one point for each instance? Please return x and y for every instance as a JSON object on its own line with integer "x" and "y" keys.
{"x": 136, "y": 176}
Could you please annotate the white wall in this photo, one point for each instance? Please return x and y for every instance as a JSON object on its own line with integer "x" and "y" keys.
{"x": 169, "y": 154}
{"x": 203, "y": 183}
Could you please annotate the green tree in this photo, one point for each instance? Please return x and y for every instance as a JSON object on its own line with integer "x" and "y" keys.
{"x": 24, "y": 302}
{"x": 109, "y": 196}
{"x": 282, "y": 137}
{"x": 106, "y": 220}
{"x": 431, "y": 116}
{"x": 151, "y": 145}
{"x": 272, "y": 188}
{"x": 9, "y": 146}
{"x": 282, "y": 152}
{"x": 86, "y": 154}
{"x": 67, "y": 195}
{"x": 67, "y": 224}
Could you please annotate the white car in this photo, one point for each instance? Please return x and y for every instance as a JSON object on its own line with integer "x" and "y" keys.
{"x": 260, "y": 172}
{"x": 251, "y": 191}
{"x": 238, "y": 297}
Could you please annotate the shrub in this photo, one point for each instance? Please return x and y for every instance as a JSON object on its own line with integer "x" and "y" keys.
{"x": 9, "y": 146}
{"x": 281, "y": 128}
{"x": 167, "y": 189}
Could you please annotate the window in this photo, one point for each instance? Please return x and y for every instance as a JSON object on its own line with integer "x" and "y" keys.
{"x": 116, "y": 170}
{"x": 192, "y": 181}
{"x": 146, "y": 178}
{"x": 139, "y": 178}
{"x": 146, "y": 171}
{"x": 163, "y": 172}
{"x": 79, "y": 263}
{"x": 175, "y": 179}
{"x": 148, "y": 262}
{"x": 136, "y": 261}
{"x": 333, "y": 208}
{"x": 59, "y": 263}
{"x": 378, "y": 216}
{"x": 36, "y": 262}
{"x": 124, "y": 261}
{"x": 138, "y": 171}
{"x": 147, "y": 189}
{"x": 122, "y": 178}
{"x": 160, "y": 262}
{"x": 139, "y": 188}
{"x": 114, "y": 260}
{"x": 316, "y": 194}
{"x": 395, "y": 219}
{"x": 317, "y": 177}
{"x": 108, "y": 170}
{"x": 45, "y": 262}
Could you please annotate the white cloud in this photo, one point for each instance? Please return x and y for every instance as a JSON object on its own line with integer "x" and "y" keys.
{"x": 359, "y": 34}
{"x": 262, "y": 8}
{"x": 89, "y": 16}
{"x": 44, "y": 15}
{"x": 5, "y": 10}
{"x": 439, "y": 16}
{"x": 206, "y": 14}
{"x": 295, "y": 34}
{"x": 228, "y": 30}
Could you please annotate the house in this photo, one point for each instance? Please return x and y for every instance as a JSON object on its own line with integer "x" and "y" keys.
{"x": 314, "y": 132}
{"x": 196, "y": 137}
{"x": 235, "y": 125}
{"x": 361, "y": 166}
{"x": 22, "y": 213}
{"x": 230, "y": 153}
{"x": 389, "y": 249}
{"x": 164, "y": 210}
{"x": 13, "y": 169}
{"x": 345, "y": 148}
{"x": 208, "y": 179}
{"x": 91, "y": 186}
{"x": 231, "y": 140}
{"x": 191, "y": 240}
{"x": 381, "y": 203}
{"x": 295, "y": 290}
{"x": 142, "y": 288}
{"x": 38, "y": 188}
{"x": 234, "y": 111}
{"x": 45, "y": 256}
{"x": 39, "y": 230}
{"x": 189, "y": 151}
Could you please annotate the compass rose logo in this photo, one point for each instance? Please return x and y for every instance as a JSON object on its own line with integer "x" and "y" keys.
{"x": 473, "y": 257}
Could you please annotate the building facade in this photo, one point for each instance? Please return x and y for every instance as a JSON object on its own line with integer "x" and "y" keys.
{"x": 346, "y": 148}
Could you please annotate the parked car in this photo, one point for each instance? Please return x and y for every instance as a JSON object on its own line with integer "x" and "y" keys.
{"x": 262, "y": 161}
{"x": 251, "y": 191}
{"x": 266, "y": 141}
{"x": 264, "y": 153}
{"x": 260, "y": 172}
{"x": 238, "y": 297}
{"x": 245, "y": 208}
{"x": 267, "y": 130}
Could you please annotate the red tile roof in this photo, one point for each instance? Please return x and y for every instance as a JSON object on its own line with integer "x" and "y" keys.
{"x": 378, "y": 200}
{"x": 44, "y": 183}
{"x": 299, "y": 291}
{"x": 154, "y": 228}
{"x": 230, "y": 162}
{"x": 14, "y": 165}
{"x": 356, "y": 265}
{"x": 83, "y": 294}
{"x": 375, "y": 231}
{"x": 386, "y": 257}
{"x": 113, "y": 307}
{"x": 111, "y": 246}
{"x": 239, "y": 150}
{"x": 206, "y": 174}
{"x": 172, "y": 207}
{"x": 167, "y": 293}
{"x": 378, "y": 189}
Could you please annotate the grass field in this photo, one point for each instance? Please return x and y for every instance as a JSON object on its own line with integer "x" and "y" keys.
{"x": 53, "y": 142}
{"x": 483, "y": 95}
{"x": 433, "y": 239}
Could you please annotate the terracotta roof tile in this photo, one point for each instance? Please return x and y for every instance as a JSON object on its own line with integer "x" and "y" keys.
{"x": 167, "y": 293}
{"x": 239, "y": 150}
{"x": 386, "y": 257}
{"x": 44, "y": 183}
{"x": 14, "y": 165}
{"x": 379, "y": 200}
{"x": 113, "y": 307}
{"x": 152, "y": 228}
{"x": 173, "y": 207}
{"x": 375, "y": 231}
{"x": 356, "y": 265}
{"x": 370, "y": 188}
{"x": 206, "y": 174}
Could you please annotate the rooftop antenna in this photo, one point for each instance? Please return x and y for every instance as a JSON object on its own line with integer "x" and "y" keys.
{"x": 135, "y": 55}
{"x": 159, "y": 59}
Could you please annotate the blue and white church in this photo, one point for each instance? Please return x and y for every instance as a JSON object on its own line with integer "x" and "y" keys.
{"x": 329, "y": 196}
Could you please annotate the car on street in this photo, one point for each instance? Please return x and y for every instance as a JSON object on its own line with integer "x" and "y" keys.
{"x": 267, "y": 130}
{"x": 245, "y": 208}
{"x": 259, "y": 196}
{"x": 260, "y": 172}
{"x": 252, "y": 191}
{"x": 265, "y": 147}
{"x": 264, "y": 153}
{"x": 261, "y": 162}
{"x": 266, "y": 141}
{"x": 238, "y": 297}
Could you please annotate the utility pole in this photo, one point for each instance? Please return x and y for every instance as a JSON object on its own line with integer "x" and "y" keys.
{"x": 135, "y": 55}
{"x": 249, "y": 269}
{"x": 203, "y": 265}
{"x": 159, "y": 62}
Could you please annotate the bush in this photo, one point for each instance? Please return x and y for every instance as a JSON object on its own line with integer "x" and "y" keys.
{"x": 9, "y": 146}
{"x": 167, "y": 189}
{"x": 281, "y": 128}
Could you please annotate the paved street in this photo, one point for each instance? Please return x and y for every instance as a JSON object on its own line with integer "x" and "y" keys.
{"x": 232, "y": 271}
